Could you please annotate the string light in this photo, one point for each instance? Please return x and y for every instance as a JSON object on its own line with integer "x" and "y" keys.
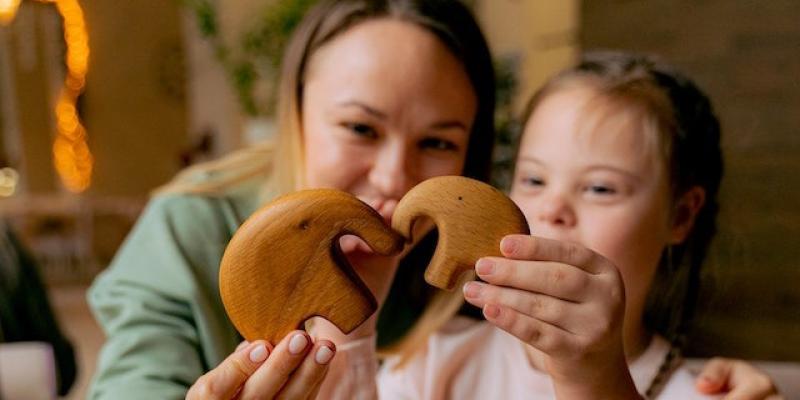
{"x": 8, "y": 9}
{"x": 71, "y": 155}
{"x": 72, "y": 158}
{"x": 8, "y": 181}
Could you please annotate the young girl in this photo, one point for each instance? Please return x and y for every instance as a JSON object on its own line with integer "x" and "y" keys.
{"x": 617, "y": 174}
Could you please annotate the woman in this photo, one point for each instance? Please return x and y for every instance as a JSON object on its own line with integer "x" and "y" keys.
{"x": 375, "y": 97}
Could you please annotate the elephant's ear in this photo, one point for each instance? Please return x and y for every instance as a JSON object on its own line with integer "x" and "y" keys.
{"x": 471, "y": 216}
{"x": 284, "y": 264}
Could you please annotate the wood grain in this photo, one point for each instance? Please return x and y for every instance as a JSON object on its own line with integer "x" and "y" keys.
{"x": 284, "y": 264}
{"x": 471, "y": 216}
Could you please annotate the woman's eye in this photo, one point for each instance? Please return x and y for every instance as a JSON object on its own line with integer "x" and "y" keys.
{"x": 437, "y": 144}
{"x": 362, "y": 130}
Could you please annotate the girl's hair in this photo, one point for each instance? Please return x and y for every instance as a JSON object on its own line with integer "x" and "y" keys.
{"x": 684, "y": 133}
{"x": 281, "y": 162}
{"x": 684, "y": 130}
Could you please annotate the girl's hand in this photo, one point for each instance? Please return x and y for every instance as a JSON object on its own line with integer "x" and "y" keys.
{"x": 292, "y": 370}
{"x": 737, "y": 380}
{"x": 564, "y": 300}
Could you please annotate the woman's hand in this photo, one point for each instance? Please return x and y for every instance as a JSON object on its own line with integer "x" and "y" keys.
{"x": 564, "y": 300}
{"x": 294, "y": 369}
{"x": 737, "y": 380}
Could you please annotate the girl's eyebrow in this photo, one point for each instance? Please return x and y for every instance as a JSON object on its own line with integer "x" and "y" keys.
{"x": 588, "y": 168}
{"x": 605, "y": 167}
{"x": 530, "y": 159}
{"x": 369, "y": 110}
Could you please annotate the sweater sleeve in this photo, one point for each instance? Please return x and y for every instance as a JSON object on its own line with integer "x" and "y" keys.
{"x": 158, "y": 303}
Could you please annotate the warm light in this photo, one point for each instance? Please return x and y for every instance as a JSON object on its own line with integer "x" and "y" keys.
{"x": 8, "y": 9}
{"x": 71, "y": 156}
{"x": 8, "y": 181}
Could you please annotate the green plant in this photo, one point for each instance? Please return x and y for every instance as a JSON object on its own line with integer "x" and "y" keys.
{"x": 507, "y": 125}
{"x": 253, "y": 62}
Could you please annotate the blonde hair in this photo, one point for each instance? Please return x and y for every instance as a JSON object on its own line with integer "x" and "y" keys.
{"x": 281, "y": 163}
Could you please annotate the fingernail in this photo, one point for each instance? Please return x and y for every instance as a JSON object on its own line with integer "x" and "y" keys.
{"x": 298, "y": 343}
{"x": 708, "y": 380}
{"x": 324, "y": 355}
{"x": 484, "y": 267}
{"x": 508, "y": 245}
{"x": 259, "y": 354}
{"x": 491, "y": 311}
{"x": 472, "y": 289}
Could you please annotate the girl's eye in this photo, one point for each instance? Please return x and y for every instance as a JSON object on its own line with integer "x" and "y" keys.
{"x": 533, "y": 181}
{"x": 437, "y": 144}
{"x": 602, "y": 190}
{"x": 362, "y": 130}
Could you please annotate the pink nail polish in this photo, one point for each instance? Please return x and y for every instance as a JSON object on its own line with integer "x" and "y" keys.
{"x": 259, "y": 354}
{"x": 298, "y": 343}
{"x": 324, "y": 355}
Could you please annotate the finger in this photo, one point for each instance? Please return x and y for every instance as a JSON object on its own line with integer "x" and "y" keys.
{"x": 714, "y": 376}
{"x": 538, "y": 306}
{"x": 541, "y": 335}
{"x": 554, "y": 279}
{"x": 748, "y": 383}
{"x": 268, "y": 380}
{"x": 242, "y": 345}
{"x": 524, "y": 247}
{"x": 309, "y": 376}
{"x": 224, "y": 381}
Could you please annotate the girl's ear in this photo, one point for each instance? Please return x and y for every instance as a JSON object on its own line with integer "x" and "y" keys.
{"x": 686, "y": 211}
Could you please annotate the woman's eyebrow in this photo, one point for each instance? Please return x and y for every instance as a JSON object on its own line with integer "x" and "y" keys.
{"x": 454, "y": 124}
{"x": 369, "y": 110}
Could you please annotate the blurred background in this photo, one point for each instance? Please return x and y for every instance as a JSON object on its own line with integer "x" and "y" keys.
{"x": 103, "y": 101}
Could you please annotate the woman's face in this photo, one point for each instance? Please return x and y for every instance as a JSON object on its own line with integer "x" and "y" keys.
{"x": 603, "y": 187}
{"x": 385, "y": 106}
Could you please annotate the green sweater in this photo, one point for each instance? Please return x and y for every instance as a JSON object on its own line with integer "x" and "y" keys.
{"x": 159, "y": 300}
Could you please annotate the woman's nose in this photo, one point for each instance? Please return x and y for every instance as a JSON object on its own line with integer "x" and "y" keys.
{"x": 392, "y": 171}
{"x": 556, "y": 209}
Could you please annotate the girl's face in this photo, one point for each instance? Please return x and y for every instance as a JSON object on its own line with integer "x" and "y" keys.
{"x": 385, "y": 106}
{"x": 603, "y": 187}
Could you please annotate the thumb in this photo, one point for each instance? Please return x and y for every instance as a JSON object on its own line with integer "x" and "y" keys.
{"x": 714, "y": 377}
{"x": 224, "y": 381}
